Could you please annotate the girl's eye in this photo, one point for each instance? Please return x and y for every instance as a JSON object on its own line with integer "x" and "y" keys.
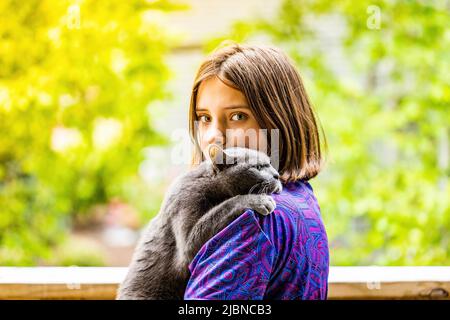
{"x": 238, "y": 116}
{"x": 204, "y": 118}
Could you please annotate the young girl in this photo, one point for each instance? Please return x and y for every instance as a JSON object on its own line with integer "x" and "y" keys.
{"x": 283, "y": 255}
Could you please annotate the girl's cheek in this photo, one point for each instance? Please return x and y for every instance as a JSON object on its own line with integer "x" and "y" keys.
{"x": 239, "y": 141}
{"x": 203, "y": 139}
{"x": 248, "y": 138}
{"x": 262, "y": 142}
{"x": 253, "y": 138}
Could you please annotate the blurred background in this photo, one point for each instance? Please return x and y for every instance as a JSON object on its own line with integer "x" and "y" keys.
{"x": 94, "y": 100}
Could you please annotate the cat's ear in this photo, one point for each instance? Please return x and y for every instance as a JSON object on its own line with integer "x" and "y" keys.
{"x": 218, "y": 157}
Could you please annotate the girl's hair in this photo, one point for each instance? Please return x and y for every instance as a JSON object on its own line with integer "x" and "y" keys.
{"x": 275, "y": 93}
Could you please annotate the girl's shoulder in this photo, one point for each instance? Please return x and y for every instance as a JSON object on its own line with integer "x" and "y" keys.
{"x": 298, "y": 197}
{"x": 296, "y": 216}
{"x": 299, "y": 239}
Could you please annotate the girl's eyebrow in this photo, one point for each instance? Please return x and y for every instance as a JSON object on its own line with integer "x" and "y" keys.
{"x": 229, "y": 107}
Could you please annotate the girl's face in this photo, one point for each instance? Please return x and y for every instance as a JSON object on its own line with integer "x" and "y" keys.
{"x": 225, "y": 118}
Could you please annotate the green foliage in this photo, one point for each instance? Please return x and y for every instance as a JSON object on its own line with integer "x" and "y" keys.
{"x": 76, "y": 78}
{"x": 383, "y": 101}
{"x": 76, "y": 251}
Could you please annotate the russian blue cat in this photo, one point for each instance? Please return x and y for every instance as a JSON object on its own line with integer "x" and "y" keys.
{"x": 196, "y": 206}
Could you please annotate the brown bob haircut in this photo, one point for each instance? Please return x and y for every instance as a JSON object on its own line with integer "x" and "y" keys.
{"x": 275, "y": 93}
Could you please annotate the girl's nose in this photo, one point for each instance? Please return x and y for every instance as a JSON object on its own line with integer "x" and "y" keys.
{"x": 216, "y": 136}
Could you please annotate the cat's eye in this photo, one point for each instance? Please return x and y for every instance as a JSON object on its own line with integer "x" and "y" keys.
{"x": 237, "y": 118}
{"x": 260, "y": 166}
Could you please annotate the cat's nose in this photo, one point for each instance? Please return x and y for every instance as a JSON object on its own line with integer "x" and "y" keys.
{"x": 276, "y": 175}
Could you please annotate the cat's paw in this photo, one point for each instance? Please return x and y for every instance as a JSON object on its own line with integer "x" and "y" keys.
{"x": 261, "y": 203}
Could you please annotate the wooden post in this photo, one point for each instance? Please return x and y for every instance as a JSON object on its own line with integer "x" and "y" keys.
{"x": 100, "y": 283}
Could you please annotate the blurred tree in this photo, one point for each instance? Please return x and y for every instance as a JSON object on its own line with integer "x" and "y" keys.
{"x": 76, "y": 78}
{"x": 378, "y": 73}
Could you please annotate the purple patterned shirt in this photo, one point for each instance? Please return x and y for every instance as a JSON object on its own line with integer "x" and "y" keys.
{"x": 283, "y": 255}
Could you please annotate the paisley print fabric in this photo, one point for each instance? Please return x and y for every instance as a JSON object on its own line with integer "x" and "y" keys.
{"x": 282, "y": 256}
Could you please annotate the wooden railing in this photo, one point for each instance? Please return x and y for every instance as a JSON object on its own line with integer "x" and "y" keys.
{"x": 344, "y": 282}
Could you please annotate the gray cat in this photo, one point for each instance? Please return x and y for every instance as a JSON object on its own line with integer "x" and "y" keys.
{"x": 197, "y": 206}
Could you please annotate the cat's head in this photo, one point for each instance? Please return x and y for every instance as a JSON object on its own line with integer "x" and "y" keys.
{"x": 243, "y": 170}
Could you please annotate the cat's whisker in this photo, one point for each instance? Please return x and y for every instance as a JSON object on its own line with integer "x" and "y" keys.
{"x": 264, "y": 188}
{"x": 261, "y": 190}
{"x": 253, "y": 188}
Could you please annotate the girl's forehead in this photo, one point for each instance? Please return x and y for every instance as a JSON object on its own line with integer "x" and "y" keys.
{"x": 214, "y": 94}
